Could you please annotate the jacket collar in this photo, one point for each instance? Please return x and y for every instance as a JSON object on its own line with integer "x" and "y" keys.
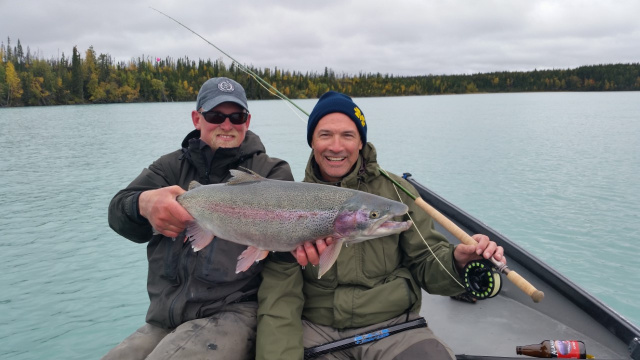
{"x": 215, "y": 168}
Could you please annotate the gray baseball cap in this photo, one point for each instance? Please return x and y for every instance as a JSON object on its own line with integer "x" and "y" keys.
{"x": 215, "y": 91}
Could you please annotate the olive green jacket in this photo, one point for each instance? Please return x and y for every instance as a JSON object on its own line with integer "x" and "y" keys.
{"x": 370, "y": 282}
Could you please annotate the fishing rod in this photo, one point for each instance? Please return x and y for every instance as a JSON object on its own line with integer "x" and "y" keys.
{"x": 260, "y": 80}
{"x": 518, "y": 280}
{"x": 353, "y": 341}
{"x": 535, "y": 294}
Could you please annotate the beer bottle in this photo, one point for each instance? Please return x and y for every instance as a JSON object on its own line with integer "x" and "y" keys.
{"x": 573, "y": 349}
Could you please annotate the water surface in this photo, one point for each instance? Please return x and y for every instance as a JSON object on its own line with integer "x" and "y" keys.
{"x": 558, "y": 173}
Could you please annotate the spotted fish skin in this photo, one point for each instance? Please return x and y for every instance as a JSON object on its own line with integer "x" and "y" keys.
{"x": 274, "y": 215}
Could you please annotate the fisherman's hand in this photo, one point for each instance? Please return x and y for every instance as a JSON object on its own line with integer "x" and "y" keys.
{"x": 162, "y": 210}
{"x": 310, "y": 253}
{"x": 485, "y": 249}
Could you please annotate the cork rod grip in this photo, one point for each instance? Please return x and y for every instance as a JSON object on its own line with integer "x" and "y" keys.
{"x": 535, "y": 294}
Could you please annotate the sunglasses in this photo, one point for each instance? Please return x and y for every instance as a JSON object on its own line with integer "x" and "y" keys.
{"x": 216, "y": 117}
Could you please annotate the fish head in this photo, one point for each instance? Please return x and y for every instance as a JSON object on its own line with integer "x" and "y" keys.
{"x": 366, "y": 216}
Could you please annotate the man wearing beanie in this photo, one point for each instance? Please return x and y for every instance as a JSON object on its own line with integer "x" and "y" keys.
{"x": 200, "y": 308}
{"x": 373, "y": 284}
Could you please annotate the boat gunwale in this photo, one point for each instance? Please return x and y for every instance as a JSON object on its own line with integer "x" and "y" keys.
{"x": 615, "y": 323}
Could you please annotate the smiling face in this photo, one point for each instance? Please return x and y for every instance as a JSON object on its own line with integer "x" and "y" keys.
{"x": 336, "y": 144}
{"x": 225, "y": 135}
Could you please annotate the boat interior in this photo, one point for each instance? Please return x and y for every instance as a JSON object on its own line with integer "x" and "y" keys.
{"x": 493, "y": 327}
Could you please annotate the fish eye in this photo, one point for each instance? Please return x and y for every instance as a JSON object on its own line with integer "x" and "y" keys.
{"x": 374, "y": 214}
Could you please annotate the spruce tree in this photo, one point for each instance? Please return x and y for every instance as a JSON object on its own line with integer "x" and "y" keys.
{"x": 76, "y": 75}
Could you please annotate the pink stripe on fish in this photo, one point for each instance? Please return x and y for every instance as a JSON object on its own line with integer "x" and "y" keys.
{"x": 262, "y": 214}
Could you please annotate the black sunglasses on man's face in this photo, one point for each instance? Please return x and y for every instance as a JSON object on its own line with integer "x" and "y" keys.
{"x": 216, "y": 117}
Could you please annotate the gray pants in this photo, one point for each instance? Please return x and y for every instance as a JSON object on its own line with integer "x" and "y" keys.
{"x": 229, "y": 334}
{"x": 418, "y": 343}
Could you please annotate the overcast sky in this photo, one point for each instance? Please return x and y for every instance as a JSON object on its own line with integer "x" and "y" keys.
{"x": 400, "y": 37}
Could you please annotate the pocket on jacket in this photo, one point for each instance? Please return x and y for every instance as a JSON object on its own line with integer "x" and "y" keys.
{"x": 380, "y": 256}
{"x": 164, "y": 256}
{"x": 382, "y": 302}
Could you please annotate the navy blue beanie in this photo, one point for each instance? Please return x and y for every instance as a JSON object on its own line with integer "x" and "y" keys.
{"x": 335, "y": 102}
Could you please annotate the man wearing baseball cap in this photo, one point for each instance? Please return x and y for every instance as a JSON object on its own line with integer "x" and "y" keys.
{"x": 199, "y": 307}
{"x": 373, "y": 285}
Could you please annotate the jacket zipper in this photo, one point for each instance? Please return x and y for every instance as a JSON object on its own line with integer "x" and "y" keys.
{"x": 185, "y": 268}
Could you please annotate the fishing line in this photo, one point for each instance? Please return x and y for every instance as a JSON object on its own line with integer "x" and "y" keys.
{"x": 522, "y": 283}
{"x": 423, "y": 240}
{"x": 275, "y": 92}
{"x": 280, "y": 95}
{"x": 270, "y": 88}
{"x": 480, "y": 280}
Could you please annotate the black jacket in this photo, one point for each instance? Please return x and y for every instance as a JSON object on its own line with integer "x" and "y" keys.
{"x": 184, "y": 285}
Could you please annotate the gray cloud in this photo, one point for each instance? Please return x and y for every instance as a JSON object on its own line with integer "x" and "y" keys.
{"x": 401, "y": 37}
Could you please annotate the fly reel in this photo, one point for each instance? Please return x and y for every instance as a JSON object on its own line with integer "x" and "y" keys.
{"x": 481, "y": 280}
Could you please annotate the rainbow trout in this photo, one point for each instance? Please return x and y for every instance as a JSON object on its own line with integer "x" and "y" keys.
{"x": 274, "y": 215}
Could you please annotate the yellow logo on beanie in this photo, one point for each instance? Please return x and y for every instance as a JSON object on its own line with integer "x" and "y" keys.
{"x": 360, "y": 116}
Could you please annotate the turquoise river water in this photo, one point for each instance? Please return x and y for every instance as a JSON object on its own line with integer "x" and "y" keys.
{"x": 558, "y": 173}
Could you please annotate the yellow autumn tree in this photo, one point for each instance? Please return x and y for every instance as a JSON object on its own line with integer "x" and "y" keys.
{"x": 13, "y": 81}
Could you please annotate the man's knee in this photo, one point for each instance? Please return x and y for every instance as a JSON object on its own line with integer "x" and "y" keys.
{"x": 139, "y": 344}
{"x": 229, "y": 334}
{"x": 426, "y": 349}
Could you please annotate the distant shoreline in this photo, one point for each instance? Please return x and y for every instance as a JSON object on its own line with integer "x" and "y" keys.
{"x": 97, "y": 79}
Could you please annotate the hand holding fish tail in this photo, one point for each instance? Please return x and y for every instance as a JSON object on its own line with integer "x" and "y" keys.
{"x": 310, "y": 253}
{"x": 165, "y": 214}
{"x": 485, "y": 249}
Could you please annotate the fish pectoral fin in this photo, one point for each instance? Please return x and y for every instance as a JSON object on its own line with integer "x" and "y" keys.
{"x": 329, "y": 256}
{"x": 249, "y": 256}
{"x": 198, "y": 237}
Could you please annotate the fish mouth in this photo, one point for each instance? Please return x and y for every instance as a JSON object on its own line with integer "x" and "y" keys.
{"x": 393, "y": 226}
{"x": 385, "y": 226}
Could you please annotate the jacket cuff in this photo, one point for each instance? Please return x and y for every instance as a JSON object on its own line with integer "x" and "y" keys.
{"x": 454, "y": 264}
{"x": 132, "y": 209}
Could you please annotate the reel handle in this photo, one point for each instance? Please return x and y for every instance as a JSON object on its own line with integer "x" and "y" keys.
{"x": 535, "y": 294}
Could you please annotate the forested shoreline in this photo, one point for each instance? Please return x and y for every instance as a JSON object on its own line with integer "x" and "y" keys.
{"x": 27, "y": 80}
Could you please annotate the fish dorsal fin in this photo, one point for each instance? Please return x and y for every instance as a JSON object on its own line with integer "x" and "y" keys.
{"x": 194, "y": 184}
{"x": 240, "y": 177}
